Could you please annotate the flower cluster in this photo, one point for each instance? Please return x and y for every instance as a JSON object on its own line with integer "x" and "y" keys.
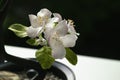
{"x": 52, "y": 32}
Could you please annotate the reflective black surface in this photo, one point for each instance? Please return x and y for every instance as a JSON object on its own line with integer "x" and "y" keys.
{"x": 58, "y": 69}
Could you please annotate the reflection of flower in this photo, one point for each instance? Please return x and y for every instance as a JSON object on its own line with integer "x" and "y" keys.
{"x": 53, "y": 32}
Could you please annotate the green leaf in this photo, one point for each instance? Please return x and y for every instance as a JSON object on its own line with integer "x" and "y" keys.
{"x": 44, "y": 57}
{"x": 33, "y": 42}
{"x": 19, "y": 30}
{"x": 71, "y": 56}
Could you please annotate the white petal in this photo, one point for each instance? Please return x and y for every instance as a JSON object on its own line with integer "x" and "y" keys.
{"x": 34, "y": 21}
{"x": 58, "y": 16}
{"x": 61, "y": 28}
{"x": 58, "y": 50}
{"x": 49, "y": 27}
{"x": 47, "y": 33}
{"x": 45, "y": 13}
{"x": 33, "y": 32}
{"x": 69, "y": 40}
{"x": 54, "y": 19}
{"x": 51, "y": 23}
{"x": 71, "y": 28}
{"x": 32, "y": 17}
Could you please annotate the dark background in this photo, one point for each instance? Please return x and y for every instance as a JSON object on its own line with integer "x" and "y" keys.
{"x": 97, "y": 21}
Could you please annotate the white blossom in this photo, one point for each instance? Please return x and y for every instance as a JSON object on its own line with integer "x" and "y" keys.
{"x": 61, "y": 36}
{"x": 58, "y": 33}
{"x": 38, "y": 22}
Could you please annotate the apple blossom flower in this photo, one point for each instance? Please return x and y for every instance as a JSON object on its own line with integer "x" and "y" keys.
{"x": 57, "y": 32}
{"x": 60, "y": 36}
{"x": 50, "y": 26}
{"x": 52, "y": 32}
{"x": 38, "y": 22}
